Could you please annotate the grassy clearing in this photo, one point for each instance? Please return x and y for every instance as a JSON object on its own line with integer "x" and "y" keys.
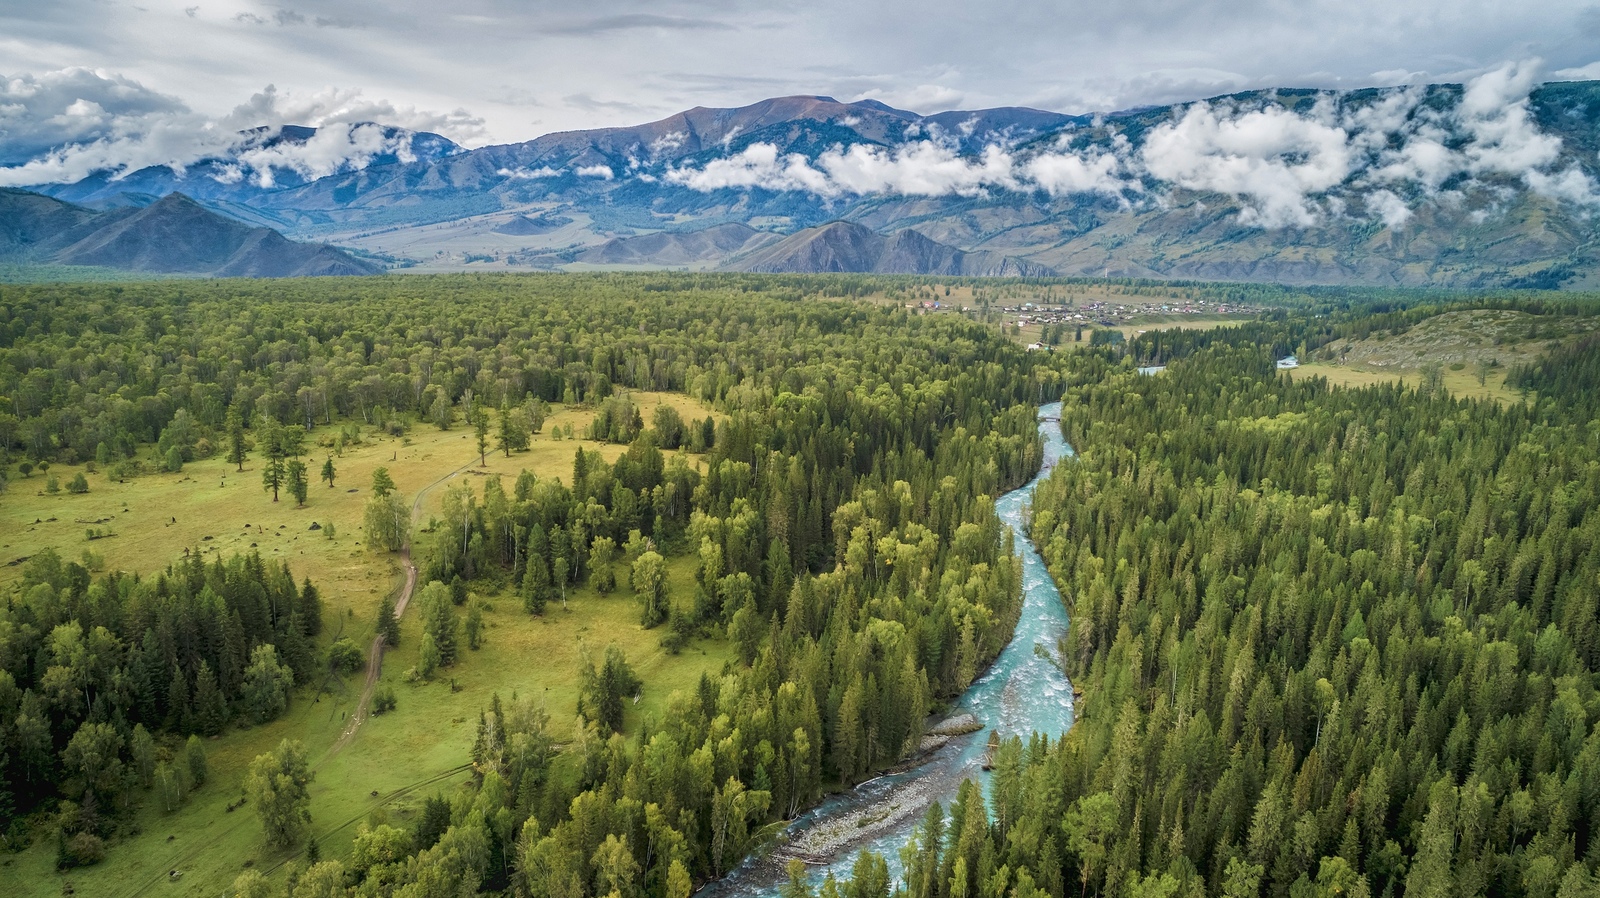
{"x": 431, "y": 732}
{"x": 1462, "y": 384}
{"x": 1467, "y": 337}
{"x": 1462, "y": 343}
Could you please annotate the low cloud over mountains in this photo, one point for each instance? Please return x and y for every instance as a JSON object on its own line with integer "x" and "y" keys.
{"x": 67, "y": 125}
{"x": 1284, "y": 162}
{"x": 1491, "y": 182}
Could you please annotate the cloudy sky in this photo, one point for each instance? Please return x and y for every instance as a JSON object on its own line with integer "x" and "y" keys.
{"x": 493, "y": 71}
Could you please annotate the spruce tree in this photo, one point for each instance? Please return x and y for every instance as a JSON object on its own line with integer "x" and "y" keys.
{"x": 210, "y": 709}
{"x": 235, "y": 427}
{"x": 178, "y": 710}
{"x": 274, "y": 472}
{"x": 388, "y": 626}
{"x": 294, "y": 475}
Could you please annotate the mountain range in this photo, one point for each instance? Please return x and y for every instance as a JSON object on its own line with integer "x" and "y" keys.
{"x": 1479, "y": 185}
{"x": 172, "y": 235}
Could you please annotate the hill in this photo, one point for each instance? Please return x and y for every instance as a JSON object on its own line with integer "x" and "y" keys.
{"x": 843, "y": 246}
{"x": 710, "y": 245}
{"x": 173, "y": 235}
{"x": 28, "y": 219}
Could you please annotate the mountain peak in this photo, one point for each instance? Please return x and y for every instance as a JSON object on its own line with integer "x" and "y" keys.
{"x": 847, "y": 246}
{"x": 174, "y": 235}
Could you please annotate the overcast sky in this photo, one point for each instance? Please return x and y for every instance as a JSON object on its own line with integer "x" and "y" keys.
{"x": 494, "y": 71}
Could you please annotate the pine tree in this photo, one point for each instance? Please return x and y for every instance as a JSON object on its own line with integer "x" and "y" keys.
{"x": 194, "y": 755}
{"x": 235, "y": 427}
{"x": 439, "y": 621}
{"x": 535, "y": 584}
{"x": 388, "y": 626}
{"x": 295, "y": 480}
{"x": 210, "y": 710}
{"x": 178, "y": 710}
{"x": 328, "y": 472}
{"x": 274, "y": 472}
{"x": 480, "y": 429}
{"x": 309, "y": 608}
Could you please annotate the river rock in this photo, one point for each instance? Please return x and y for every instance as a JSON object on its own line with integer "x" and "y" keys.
{"x": 956, "y": 726}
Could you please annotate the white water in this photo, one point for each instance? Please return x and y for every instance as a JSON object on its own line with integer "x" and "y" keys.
{"x": 1021, "y": 693}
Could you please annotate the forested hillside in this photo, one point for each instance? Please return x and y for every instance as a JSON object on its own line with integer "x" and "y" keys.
{"x": 840, "y": 520}
{"x": 1330, "y": 642}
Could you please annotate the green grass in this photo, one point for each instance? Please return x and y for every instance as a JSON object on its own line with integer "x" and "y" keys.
{"x": 30, "y": 273}
{"x": 1458, "y": 342}
{"x": 431, "y": 731}
{"x": 1462, "y": 384}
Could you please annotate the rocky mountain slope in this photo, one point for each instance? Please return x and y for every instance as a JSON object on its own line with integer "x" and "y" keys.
{"x": 174, "y": 235}
{"x": 263, "y": 162}
{"x": 845, "y": 246}
{"x": 1491, "y": 183}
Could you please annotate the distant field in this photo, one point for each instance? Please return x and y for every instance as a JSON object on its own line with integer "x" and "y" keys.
{"x": 1464, "y": 344}
{"x": 1465, "y": 337}
{"x": 1460, "y": 383}
{"x": 29, "y": 273}
{"x": 430, "y": 733}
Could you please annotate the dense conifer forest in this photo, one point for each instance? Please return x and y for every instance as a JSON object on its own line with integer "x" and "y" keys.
{"x": 1328, "y": 641}
{"x": 840, "y": 521}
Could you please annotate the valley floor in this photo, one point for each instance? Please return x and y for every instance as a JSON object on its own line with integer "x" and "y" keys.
{"x": 397, "y": 759}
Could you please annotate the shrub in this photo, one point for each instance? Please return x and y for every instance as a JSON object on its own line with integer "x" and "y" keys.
{"x": 344, "y": 656}
{"x": 383, "y": 700}
{"x": 80, "y": 850}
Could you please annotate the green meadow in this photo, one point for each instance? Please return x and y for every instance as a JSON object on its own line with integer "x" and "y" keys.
{"x": 396, "y": 760}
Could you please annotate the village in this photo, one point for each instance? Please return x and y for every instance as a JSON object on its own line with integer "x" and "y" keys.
{"x": 1110, "y": 314}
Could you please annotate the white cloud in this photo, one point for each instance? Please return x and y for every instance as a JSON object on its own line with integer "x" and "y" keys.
{"x": 1390, "y": 208}
{"x": 1489, "y": 132}
{"x": 526, "y": 174}
{"x": 1271, "y": 158}
{"x": 1590, "y": 72}
{"x": 333, "y": 148}
{"x": 1570, "y": 184}
{"x": 66, "y": 125}
{"x": 74, "y": 105}
{"x": 666, "y": 143}
{"x": 1061, "y": 173}
{"x": 757, "y": 165}
{"x": 602, "y": 172}
{"x": 923, "y": 168}
{"x": 1287, "y": 168}
{"x": 342, "y": 106}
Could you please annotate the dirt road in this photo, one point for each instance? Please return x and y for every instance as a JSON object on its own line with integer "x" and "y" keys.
{"x": 375, "y": 653}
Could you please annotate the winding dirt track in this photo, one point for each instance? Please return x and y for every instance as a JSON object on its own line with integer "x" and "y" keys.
{"x": 375, "y": 654}
{"x": 374, "y": 669}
